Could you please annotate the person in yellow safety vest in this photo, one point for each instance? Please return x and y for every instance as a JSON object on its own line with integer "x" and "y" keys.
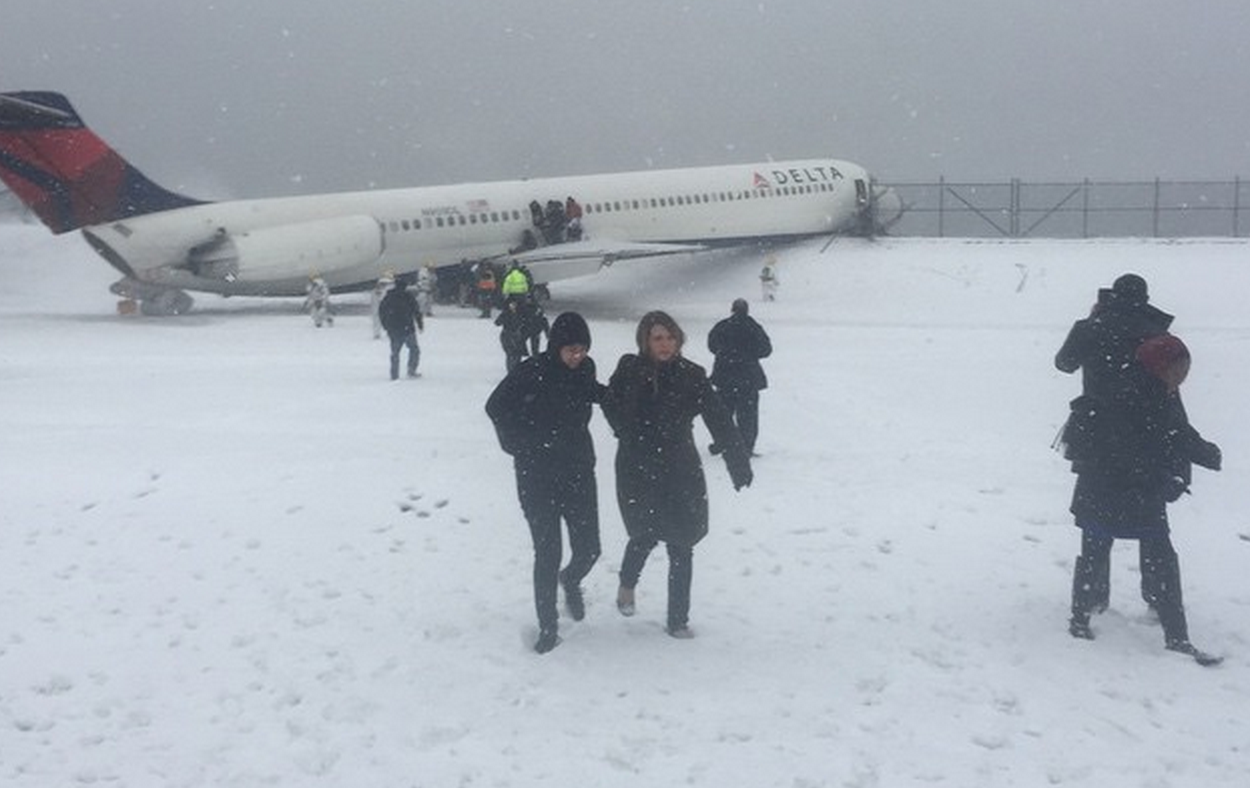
{"x": 516, "y": 283}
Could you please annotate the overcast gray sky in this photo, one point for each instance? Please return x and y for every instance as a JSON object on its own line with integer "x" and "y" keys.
{"x": 268, "y": 97}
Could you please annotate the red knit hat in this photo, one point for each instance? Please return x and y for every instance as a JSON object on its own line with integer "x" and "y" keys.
{"x": 1165, "y": 357}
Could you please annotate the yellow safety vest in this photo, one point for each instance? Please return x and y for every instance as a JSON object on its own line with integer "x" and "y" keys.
{"x": 516, "y": 283}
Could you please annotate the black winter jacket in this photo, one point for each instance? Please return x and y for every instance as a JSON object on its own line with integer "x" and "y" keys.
{"x": 1103, "y": 345}
{"x": 399, "y": 312}
{"x": 659, "y": 476}
{"x": 541, "y": 412}
{"x": 1137, "y": 458}
{"x": 738, "y": 342}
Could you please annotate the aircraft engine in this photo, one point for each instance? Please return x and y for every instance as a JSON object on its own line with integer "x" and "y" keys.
{"x": 288, "y": 251}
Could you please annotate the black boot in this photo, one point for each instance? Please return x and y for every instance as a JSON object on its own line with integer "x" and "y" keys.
{"x": 547, "y": 640}
{"x": 1085, "y": 597}
{"x": 1161, "y": 586}
{"x": 573, "y": 598}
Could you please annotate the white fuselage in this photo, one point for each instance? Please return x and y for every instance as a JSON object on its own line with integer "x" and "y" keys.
{"x": 271, "y": 246}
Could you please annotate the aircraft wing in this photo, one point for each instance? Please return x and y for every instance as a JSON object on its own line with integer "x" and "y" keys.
{"x": 577, "y": 258}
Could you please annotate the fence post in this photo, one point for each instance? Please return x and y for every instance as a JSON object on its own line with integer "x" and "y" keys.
{"x": 941, "y": 206}
{"x": 1155, "y": 222}
{"x": 1236, "y": 206}
{"x": 1015, "y": 208}
{"x": 1085, "y": 208}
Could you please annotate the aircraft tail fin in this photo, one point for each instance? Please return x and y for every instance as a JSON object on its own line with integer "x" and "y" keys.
{"x": 65, "y": 173}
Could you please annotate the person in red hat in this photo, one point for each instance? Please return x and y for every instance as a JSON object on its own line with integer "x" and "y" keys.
{"x": 1133, "y": 457}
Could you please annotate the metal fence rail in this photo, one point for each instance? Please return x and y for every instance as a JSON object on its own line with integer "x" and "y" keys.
{"x": 1079, "y": 209}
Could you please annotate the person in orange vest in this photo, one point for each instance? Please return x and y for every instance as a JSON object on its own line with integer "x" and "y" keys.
{"x": 486, "y": 288}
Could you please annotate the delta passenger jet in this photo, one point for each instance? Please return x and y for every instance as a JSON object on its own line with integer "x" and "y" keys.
{"x": 165, "y": 244}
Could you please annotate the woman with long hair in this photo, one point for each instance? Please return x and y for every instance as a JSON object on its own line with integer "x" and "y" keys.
{"x": 652, "y": 400}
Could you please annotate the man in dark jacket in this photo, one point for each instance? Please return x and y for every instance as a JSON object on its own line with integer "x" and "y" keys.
{"x": 1102, "y": 345}
{"x": 541, "y": 412}
{"x": 738, "y": 343}
{"x": 401, "y": 317}
{"x": 1131, "y": 446}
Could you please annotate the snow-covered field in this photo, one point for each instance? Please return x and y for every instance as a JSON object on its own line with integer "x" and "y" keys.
{"x": 233, "y": 553}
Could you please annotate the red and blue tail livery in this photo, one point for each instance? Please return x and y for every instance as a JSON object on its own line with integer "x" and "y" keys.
{"x": 67, "y": 175}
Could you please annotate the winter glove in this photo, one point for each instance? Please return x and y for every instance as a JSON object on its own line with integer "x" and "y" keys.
{"x": 1174, "y": 488}
{"x": 1206, "y": 454}
{"x": 740, "y": 473}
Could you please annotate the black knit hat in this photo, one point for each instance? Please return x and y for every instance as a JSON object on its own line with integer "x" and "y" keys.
{"x": 568, "y": 329}
{"x": 1131, "y": 288}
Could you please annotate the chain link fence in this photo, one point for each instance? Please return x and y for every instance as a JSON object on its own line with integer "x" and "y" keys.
{"x": 1077, "y": 209}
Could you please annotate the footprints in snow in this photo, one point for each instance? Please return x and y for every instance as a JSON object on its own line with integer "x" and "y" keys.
{"x": 411, "y": 506}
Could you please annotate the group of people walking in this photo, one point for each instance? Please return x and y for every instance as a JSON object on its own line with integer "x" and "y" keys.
{"x": 1127, "y": 435}
{"x": 541, "y": 413}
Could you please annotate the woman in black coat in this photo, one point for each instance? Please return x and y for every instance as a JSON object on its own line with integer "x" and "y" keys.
{"x": 541, "y": 412}
{"x": 652, "y": 400}
{"x": 1133, "y": 456}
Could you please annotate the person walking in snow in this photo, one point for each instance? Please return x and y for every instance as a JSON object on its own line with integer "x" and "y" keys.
{"x": 536, "y": 324}
{"x": 1102, "y": 347}
{"x": 653, "y": 398}
{"x": 738, "y": 343}
{"x": 1132, "y": 449}
{"x": 541, "y": 412}
{"x": 769, "y": 281}
{"x": 317, "y": 303}
{"x": 427, "y": 281}
{"x": 380, "y": 288}
{"x": 513, "y": 332}
{"x": 401, "y": 317}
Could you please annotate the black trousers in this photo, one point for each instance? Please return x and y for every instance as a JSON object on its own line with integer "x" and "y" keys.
{"x": 398, "y": 342}
{"x": 680, "y": 575}
{"x": 1160, "y": 584}
{"x": 744, "y": 406}
{"x": 546, "y": 499}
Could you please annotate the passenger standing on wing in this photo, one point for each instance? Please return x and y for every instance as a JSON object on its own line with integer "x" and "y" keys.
{"x": 573, "y": 212}
{"x": 652, "y": 400}
{"x": 539, "y": 221}
{"x": 1132, "y": 455}
{"x": 384, "y": 283}
{"x": 318, "y": 301}
{"x": 769, "y": 281}
{"x": 401, "y": 317}
{"x": 554, "y": 222}
{"x": 541, "y": 412}
{"x": 738, "y": 343}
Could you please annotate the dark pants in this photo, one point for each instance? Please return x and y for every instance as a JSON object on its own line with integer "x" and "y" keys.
{"x": 1161, "y": 582}
{"x": 545, "y": 499}
{"x": 680, "y": 575}
{"x": 398, "y": 341}
{"x": 744, "y": 406}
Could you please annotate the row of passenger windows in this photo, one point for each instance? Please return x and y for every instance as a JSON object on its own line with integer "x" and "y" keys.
{"x": 494, "y": 217}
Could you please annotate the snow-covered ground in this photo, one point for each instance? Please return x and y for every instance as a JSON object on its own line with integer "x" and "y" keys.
{"x": 233, "y": 553}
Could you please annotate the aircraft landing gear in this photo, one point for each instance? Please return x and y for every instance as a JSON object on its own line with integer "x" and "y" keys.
{"x": 151, "y": 300}
{"x": 167, "y": 303}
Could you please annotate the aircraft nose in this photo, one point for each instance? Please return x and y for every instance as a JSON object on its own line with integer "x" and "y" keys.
{"x": 886, "y": 207}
